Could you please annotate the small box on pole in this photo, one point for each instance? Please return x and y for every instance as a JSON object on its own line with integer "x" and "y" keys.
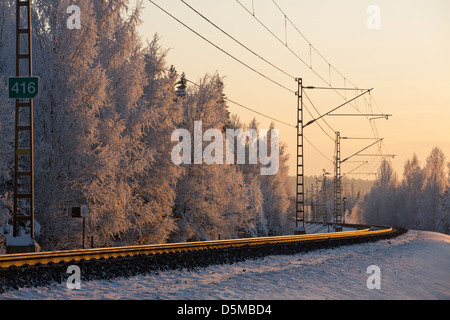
{"x": 78, "y": 212}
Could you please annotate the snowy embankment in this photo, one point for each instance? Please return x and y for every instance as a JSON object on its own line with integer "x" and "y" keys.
{"x": 413, "y": 266}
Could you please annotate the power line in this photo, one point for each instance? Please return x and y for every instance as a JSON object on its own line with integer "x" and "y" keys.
{"x": 304, "y": 62}
{"x": 327, "y": 113}
{"x": 188, "y": 80}
{"x": 273, "y": 34}
{"x": 238, "y": 60}
{"x": 222, "y": 50}
{"x": 320, "y": 152}
{"x": 323, "y": 119}
{"x": 310, "y": 44}
{"x": 243, "y": 64}
{"x": 374, "y": 129}
{"x": 296, "y": 55}
{"x": 237, "y": 41}
{"x": 167, "y": 69}
{"x": 257, "y": 55}
{"x": 261, "y": 114}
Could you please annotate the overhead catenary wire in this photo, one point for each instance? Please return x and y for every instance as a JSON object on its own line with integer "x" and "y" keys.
{"x": 330, "y": 66}
{"x": 192, "y": 82}
{"x": 260, "y": 57}
{"x": 327, "y": 113}
{"x": 323, "y": 119}
{"x": 167, "y": 69}
{"x": 309, "y": 65}
{"x": 318, "y": 151}
{"x": 222, "y": 50}
{"x": 237, "y": 41}
{"x": 311, "y": 45}
{"x": 238, "y": 60}
{"x": 373, "y": 127}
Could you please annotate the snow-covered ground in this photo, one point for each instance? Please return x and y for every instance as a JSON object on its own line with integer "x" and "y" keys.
{"x": 415, "y": 265}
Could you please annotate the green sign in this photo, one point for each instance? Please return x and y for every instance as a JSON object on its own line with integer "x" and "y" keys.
{"x": 23, "y": 87}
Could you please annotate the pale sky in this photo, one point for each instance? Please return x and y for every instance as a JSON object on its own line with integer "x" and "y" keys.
{"x": 406, "y": 62}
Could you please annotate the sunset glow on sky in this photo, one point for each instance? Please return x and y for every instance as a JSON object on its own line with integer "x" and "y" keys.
{"x": 406, "y": 61}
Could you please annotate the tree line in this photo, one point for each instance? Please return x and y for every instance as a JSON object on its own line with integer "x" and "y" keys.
{"x": 420, "y": 200}
{"x": 103, "y": 126}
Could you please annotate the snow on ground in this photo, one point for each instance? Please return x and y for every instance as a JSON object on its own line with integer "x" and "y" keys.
{"x": 415, "y": 265}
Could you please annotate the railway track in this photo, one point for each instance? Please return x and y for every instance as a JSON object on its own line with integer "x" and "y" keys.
{"x": 114, "y": 252}
{"x": 47, "y": 268}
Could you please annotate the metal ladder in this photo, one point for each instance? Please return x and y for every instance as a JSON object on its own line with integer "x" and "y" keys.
{"x": 300, "y": 185}
{"x": 337, "y": 185}
{"x": 23, "y": 159}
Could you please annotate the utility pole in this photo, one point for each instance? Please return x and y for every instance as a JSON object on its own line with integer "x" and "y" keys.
{"x": 337, "y": 185}
{"x": 23, "y": 84}
{"x": 324, "y": 201}
{"x": 300, "y": 186}
{"x": 338, "y": 162}
{"x": 344, "y": 201}
{"x": 313, "y": 207}
{"x": 317, "y": 207}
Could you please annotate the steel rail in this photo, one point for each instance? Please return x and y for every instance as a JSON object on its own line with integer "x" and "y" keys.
{"x": 20, "y": 259}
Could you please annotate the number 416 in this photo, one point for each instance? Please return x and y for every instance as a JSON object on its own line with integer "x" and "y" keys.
{"x": 30, "y": 88}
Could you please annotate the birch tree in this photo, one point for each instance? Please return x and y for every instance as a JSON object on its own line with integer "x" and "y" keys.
{"x": 277, "y": 198}
{"x": 411, "y": 191}
{"x": 381, "y": 198}
{"x": 434, "y": 188}
{"x": 66, "y": 119}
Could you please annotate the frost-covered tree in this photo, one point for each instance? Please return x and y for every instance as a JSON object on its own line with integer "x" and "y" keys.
{"x": 123, "y": 121}
{"x": 230, "y": 195}
{"x": 157, "y": 187}
{"x": 66, "y": 119}
{"x": 103, "y": 126}
{"x": 419, "y": 202}
{"x": 252, "y": 176}
{"x": 356, "y": 214}
{"x": 432, "y": 210}
{"x": 380, "y": 206}
{"x": 181, "y": 86}
{"x": 446, "y": 204}
{"x": 411, "y": 194}
{"x": 7, "y": 68}
{"x": 277, "y": 198}
{"x": 215, "y": 200}
{"x": 256, "y": 220}
{"x": 7, "y": 118}
{"x": 103, "y": 120}
{"x": 198, "y": 209}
